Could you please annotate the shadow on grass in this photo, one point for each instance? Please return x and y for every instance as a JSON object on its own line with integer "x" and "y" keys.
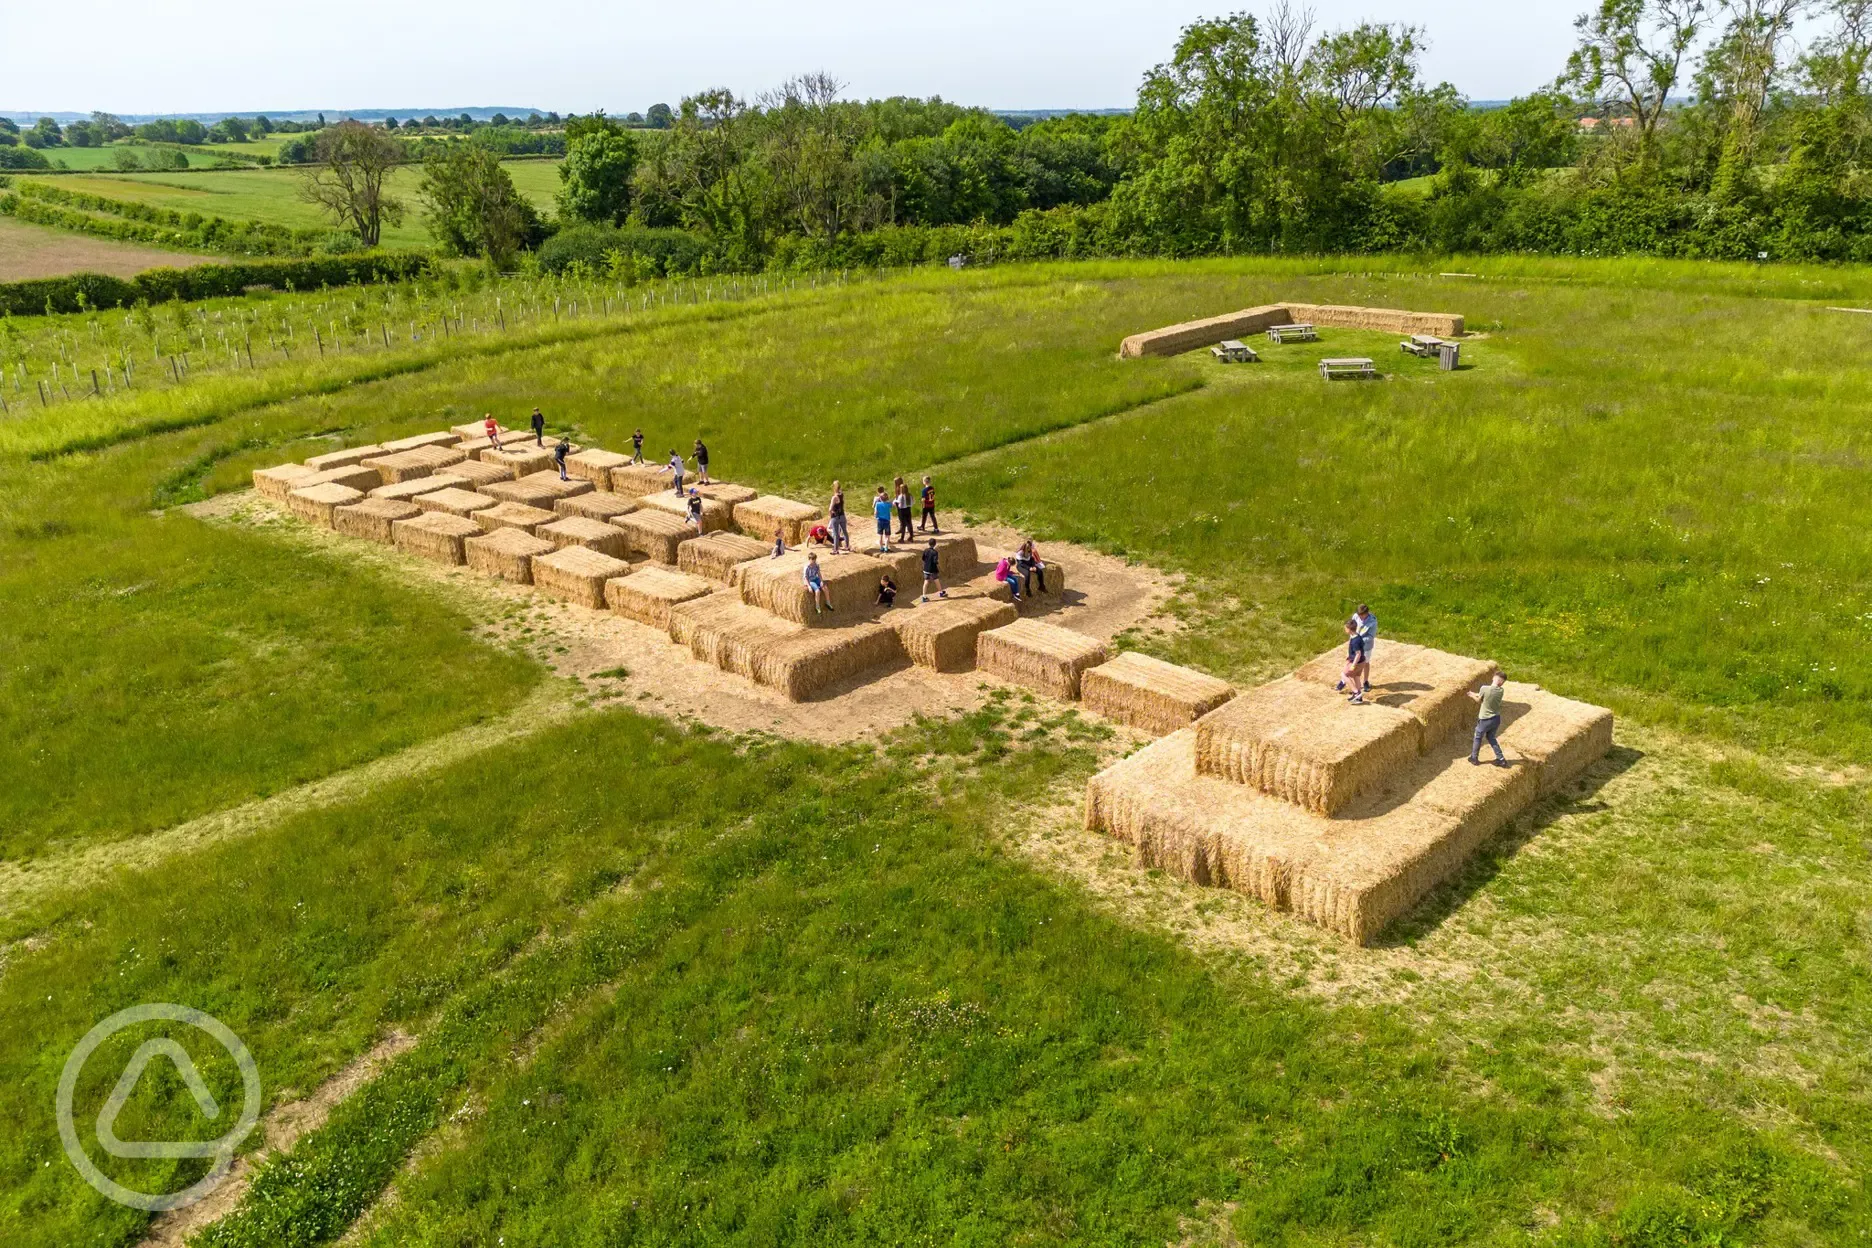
{"x": 1578, "y": 798}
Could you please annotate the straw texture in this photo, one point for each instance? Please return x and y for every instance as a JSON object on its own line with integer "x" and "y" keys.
{"x": 757, "y": 518}
{"x": 549, "y": 480}
{"x": 371, "y": 518}
{"x": 514, "y": 516}
{"x": 940, "y": 635}
{"x": 715, "y": 516}
{"x": 957, "y": 557}
{"x": 1151, "y": 694}
{"x": 314, "y": 503}
{"x": 577, "y": 575}
{"x": 1391, "y": 320}
{"x": 506, "y": 553}
{"x": 434, "y": 535}
{"x": 851, "y": 582}
{"x": 404, "y": 491}
{"x": 527, "y": 493}
{"x": 357, "y": 477}
{"x": 1432, "y": 685}
{"x": 715, "y": 555}
{"x": 647, "y": 594}
{"x": 656, "y": 534}
{"x": 999, "y": 591}
{"x": 455, "y": 501}
{"x": 408, "y": 465}
{"x": 1040, "y": 656}
{"x": 349, "y": 458}
{"x": 280, "y": 480}
{"x": 723, "y": 492}
{"x": 478, "y": 474}
{"x": 636, "y": 480}
{"x": 807, "y": 663}
{"x": 445, "y": 438}
{"x": 595, "y": 466}
{"x": 522, "y": 460}
{"x": 598, "y": 505}
{"x": 596, "y": 535}
{"x": 1302, "y": 742}
{"x": 1565, "y": 737}
{"x": 1189, "y": 335}
{"x": 720, "y": 630}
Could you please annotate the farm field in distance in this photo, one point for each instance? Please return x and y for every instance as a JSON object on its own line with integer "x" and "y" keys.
{"x": 38, "y": 251}
{"x": 671, "y": 983}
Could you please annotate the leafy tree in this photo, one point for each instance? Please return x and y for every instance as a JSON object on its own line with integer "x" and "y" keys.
{"x": 352, "y": 161}
{"x": 83, "y": 134}
{"x": 262, "y": 125}
{"x": 595, "y": 179}
{"x": 110, "y": 126}
{"x": 660, "y": 117}
{"x": 1630, "y": 54}
{"x": 45, "y": 133}
{"x": 473, "y": 206}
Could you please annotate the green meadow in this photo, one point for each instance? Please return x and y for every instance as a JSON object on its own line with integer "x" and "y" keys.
{"x": 674, "y": 986}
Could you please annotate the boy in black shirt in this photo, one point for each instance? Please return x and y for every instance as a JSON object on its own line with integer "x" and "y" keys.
{"x": 932, "y": 571}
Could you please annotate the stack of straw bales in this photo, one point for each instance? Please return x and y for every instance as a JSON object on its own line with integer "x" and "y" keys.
{"x": 371, "y": 518}
{"x": 714, "y": 555}
{"x": 444, "y": 438}
{"x": 349, "y": 458}
{"x": 455, "y": 502}
{"x": 758, "y": 517}
{"x": 1151, "y": 694}
{"x": 277, "y": 482}
{"x": 720, "y": 630}
{"x": 598, "y": 505}
{"x": 647, "y": 594}
{"x": 1302, "y": 742}
{"x": 596, "y": 535}
{"x": 357, "y": 477}
{"x": 570, "y": 487}
{"x": 314, "y": 504}
{"x": 409, "y": 465}
{"x": 525, "y": 492}
{"x": 851, "y": 582}
{"x": 636, "y": 480}
{"x": 1189, "y": 335}
{"x": 507, "y": 553}
{"x": 478, "y": 474}
{"x": 723, "y": 492}
{"x": 1431, "y": 685}
{"x": 1565, "y": 737}
{"x": 404, "y": 491}
{"x": 941, "y": 635}
{"x": 715, "y": 516}
{"x": 514, "y": 516}
{"x": 1039, "y": 656}
{"x": 805, "y": 664}
{"x": 957, "y": 558}
{"x": 654, "y": 534}
{"x": 522, "y": 460}
{"x": 577, "y": 575}
{"x": 595, "y": 466}
{"x": 435, "y": 535}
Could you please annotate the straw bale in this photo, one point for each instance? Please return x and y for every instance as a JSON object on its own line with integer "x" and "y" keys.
{"x": 549, "y": 480}
{"x": 957, "y": 557}
{"x": 475, "y": 431}
{"x": 647, "y": 594}
{"x": 404, "y": 491}
{"x": 1151, "y": 694}
{"x": 314, "y": 503}
{"x": 1433, "y": 685}
{"x": 941, "y": 635}
{"x": 280, "y": 480}
{"x": 595, "y": 466}
{"x": 596, "y": 535}
{"x": 716, "y": 517}
{"x": 434, "y": 535}
{"x": 723, "y": 492}
{"x": 1565, "y": 737}
{"x": 578, "y": 575}
{"x": 524, "y": 460}
{"x": 506, "y": 553}
{"x": 411, "y": 465}
{"x": 636, "y": 480}
{"x": 720, "y": 630}
{"x": 479, "y": 474}
{"x": 445, "y": 438}
{"x": 456, "y": 502}
{"x": 1300, "y": 741}
{"x": 1390, "y": 320}
{"x": 513, "y": 516}
{"x": 349, "y": 458}
{"x": 656, "y": 534}
{"x": 598, "y": 505}
{"x": 1040, "y": 656}
{"x": 757, "y": 518}
{"x": 851, "y": 581}
{"x": 357, "y": 477}
{"x": 998, "y": 590}
{"x": 530, "y": 493}
{"x": 371, "y": 518}
{"x": 1176, "y": 339}
{"x": 715, "y": 554}
{"x": 802, "y": 665}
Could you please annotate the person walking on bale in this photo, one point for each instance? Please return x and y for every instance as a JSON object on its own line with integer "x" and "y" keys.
{"x": 929, "y": 508}
{"x": 695, "y": 510}
{"x": 491, "y": 427}
{"x": 881, "y": 508}
{"x": 637, "y": 447}
{"x": 835, "y": 517}
{"x": 539, "y": 428}
{"x": 701, "y": 462}
{"x": 1365, "y": 624}
{"x": 815, "y": 584}
{"x": 1488, "y": 720}
{"x": 932, "y": 571}
{"x": 560, "y": 452}
{"x": 675, "y": 469}
{"x": 1355, "y": 665}
{"x": 902, "y": 502}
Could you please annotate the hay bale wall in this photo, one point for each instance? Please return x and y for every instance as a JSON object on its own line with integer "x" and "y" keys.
{"x": 527, "y": 494}
{"x": 804, "y": 664}
{"x": 648, "y": 594}
{"x": 1432, "y": 685}
{"x": 723, "y": 492}
{"x": 514, "y": 516}
{"x": 413, "y": 464}
{"x": 1565, "y": 737}
{"x": 941, "y": 635}
{"x": 356, "y": 477}
{"x": 598, "y": 505}
{"x": 654, "y": 534}
{"x": 720, "y": 630}
{"x": 716, "y": 517}
{"x": 277, "y": 482}
{"x": 1389, "y": 320}
{"x": 1189, "y": 335}
{"x": 1040, "y": 656}
{"x": 851, "y": 581}
{"x": 575, "y": 574}
{"x": 595, "y": 466}
{"x": 714, "y": 555}
{"x": 314, "y": 504}
{"x": 1151, "y": 694}
{"x": 456, "y": 502}
{"x": 478, "y": 474}
{"x": 549, "y": 480}
{"x": 349, "y": 458}
{"x": 757, "y": 518}
{"x": 371, "y": 518}
{"x": 435, "y": 535}
{"x": 1302, "y": 742}
{"x": 520, "y": 460}
{"x": 405, "y": 491}
{"x": 444, "y": 438}
{"x": 596, "y": 535}
{"x": 506, "y": 553}
{"x": 636, "y": 480}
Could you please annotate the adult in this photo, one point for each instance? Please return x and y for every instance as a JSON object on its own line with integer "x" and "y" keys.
{"x": 701, "y": 462}
{"x": 1365, "y": 625}
{"x": 901, "y": 500}
{"x": 835, "y": 517}
{"x": 1031, "y": 566}
{"x": 674, "y": 468}
{"x": 539, "y": 428}
{"x": 1488, "y": 720}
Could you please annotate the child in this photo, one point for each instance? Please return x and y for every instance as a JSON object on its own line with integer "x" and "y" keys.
{"x": 902, "y": 502}
{"x": 815, "y": 585}
{"x": 929, "y": 508}
{"x": 1031, "y": 566}
{"x": 779, "y": 540}
{"x": 559, "y": 454}
{"x": 819, "y": 535}
{"x": 674, "y": 468}
{"x": 1004, "y": 573}
{"x": 932, "y": 571}
{"x": 881, "y": 508}
{"x": 1358, "y": 665}
{"x": 492, "y": 427}
{"x": 637, "y": 447}
{"x": 539, "y": 428}
{"x": 887, "y": 591}
{"x": 701, "y": 462}
{"x": 695, "y": 510}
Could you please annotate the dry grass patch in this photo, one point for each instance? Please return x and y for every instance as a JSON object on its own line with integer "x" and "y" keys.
{"x": 371, "y": 518}
{"x": 507, "y": 553}
{"x": 941, "y": 635}
{"x": 314, "y": 504}
{"x": 714, "y": 555}
{"x": 456, "y": 502}
{"x": 1040, "y": 656}
{"x": 596, "y": 535}
{"x": 654, "y": 534}
{"x": 575, "y": 574}
{"x": 436, "y": 536}
{"x": 759, "y": 517}
{"x": 647, "y": 594}
{"x": 598, "y": 505}
{"x": 1151, "y": 694}
{"x": 1300, "y": 741}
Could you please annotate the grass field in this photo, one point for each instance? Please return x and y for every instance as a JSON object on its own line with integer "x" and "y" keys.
{"x": 28, "y": 251}
{"x": 673, "y": 987}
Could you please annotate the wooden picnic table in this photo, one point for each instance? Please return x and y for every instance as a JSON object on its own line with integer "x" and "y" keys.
{"x": 1292, "y": 333}
{"x": 1350, "y": 366}
{"x": 1421, "y": 345}
{"x": 1232, "y": 352}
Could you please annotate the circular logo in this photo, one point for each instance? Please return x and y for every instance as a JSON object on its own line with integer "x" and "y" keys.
{"x": 222, "y": 1150}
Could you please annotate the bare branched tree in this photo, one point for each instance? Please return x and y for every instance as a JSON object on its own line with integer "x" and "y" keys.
{"x": 347, "y": 180}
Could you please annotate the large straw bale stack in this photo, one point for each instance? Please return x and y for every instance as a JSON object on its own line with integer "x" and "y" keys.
{"x": 478, "y": 474}
{"x": 1565, "y": 737}
{"x": 636, "y": 480}
{"x": 595, "y": 466}
{"x": 723, "y": 492}
{"x": 596, "y": 535}
{"x": 506, "y": 553}
{"x": 348, "y": 458}
{"x": 550, "y": 480}
{"x": 1432, "y": 685}
{"x": 514, "y": 516}
{"x": 758, "y": 517}
{"x": 524, "y": 460}
{"x": 716, "y": 517}
{"x": 435, "y": 535}
{"x": 455, "y": 502}
{"x": 527, "y": 493}
{"x": 1300, "y": 741}
{"x": 314, "y": 503}
{"x": 803, "y": 664}
{"x": 356, "y": 477}
{"x": 1151, "y": 694}
{"x": 647, "y": 594}
{"x": 956, "y": 555}
{"x": 656, "y": 534}
{"x": 1039, "y": 656}
{"x": 1176, "y": 339}
{"x": 474, "y": 434}
{"x": 598, "y": 505}
{"x": 444, "y": 438}
{"x": 404, "y": 491}
{"x": 578, "y": 575}
{"x": 280, "y": 480}
{"x": 411, "y": 465}
{"x": 474, "y": 431}
{"x": 371, "y": 518}
{"x": 721, "y": 630}
{"x": 941, "y": 635}
{"x": 714, "y": 555}
{"x": 851, "y": 581}
{"x": 1390, "y": 320}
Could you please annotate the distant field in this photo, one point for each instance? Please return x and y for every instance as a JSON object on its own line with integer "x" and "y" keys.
{"x": 35, "y": 251}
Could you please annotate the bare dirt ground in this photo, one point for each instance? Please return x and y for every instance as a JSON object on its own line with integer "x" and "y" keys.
{"x": 28, "y": 251}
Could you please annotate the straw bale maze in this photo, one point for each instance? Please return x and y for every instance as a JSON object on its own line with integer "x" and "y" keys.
{"x": 1343, "y": 815}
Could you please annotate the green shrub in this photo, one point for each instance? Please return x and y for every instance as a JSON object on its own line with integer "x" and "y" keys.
{"x": 206, "y": 281}
{"x": 605, "y": 249}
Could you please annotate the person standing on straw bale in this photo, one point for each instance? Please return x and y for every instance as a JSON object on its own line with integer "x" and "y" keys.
{"x": 902, "y": 502}
{"x": 539, "y": 428}
{"x": 932, "y": 570}
{"x": 835, "y": 516}
{"x": 674, "y": 468}
{"x": 779, "y": 540}
{"x": 1366, "y": 625}
{"x": 695, "y": 509}
{"x": 560, "y": 451}
{"x": 887, "y": 591}
{"x": 929, "y": 508}
{"x": 1005, "y": 574}
{"x": 1488, "y": 720}
{"x": 701, "y": 462}
{"x": 637, "y": 447}
{"x": 881, "y": 508}
{"x": 491, "y": 427}
{"x": 815, "y": 584}
{"x": 1031, "y": 566}
{"x": 1356, "y": 665}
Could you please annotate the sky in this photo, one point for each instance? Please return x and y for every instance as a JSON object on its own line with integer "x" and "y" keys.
{"x": 578, "y": 55}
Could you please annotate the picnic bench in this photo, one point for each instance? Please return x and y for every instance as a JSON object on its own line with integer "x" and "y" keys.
{"x": 1356, "y": 366}
{"x": 1292, "y": 333}
{"x": 1423, "y": 346}
{"x": 1233, "y": 352}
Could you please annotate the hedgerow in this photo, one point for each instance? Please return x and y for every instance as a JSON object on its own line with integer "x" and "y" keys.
{"x": 79, "y": 291}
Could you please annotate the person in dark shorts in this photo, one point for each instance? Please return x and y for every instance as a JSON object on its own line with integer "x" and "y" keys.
{"x": 695, "y": 510}
{"x": 1488, "y": 720}
{"x": 929, "y": 508}
{"x": 560, "y": 451}
{"x": 701, "y": 462}
{"x": 881, "y": 508}
{"x": 815, "y": 584}
{"x": 932, "y": 571}
{"x": 539, "y": 428}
